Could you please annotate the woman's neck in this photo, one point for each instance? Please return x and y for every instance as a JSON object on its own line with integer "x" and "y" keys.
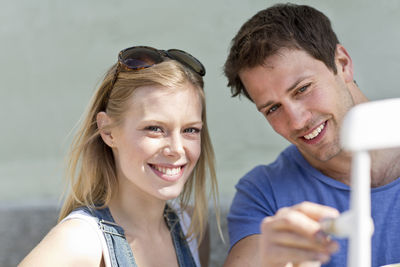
{"x": 137, "y": 211}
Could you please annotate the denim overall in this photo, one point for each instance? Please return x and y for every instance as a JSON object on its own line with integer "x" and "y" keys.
{"x": 121, "y": 253}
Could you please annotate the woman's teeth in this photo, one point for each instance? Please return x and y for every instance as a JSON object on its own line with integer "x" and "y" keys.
{"x": 168, "y": 171}
{"x": 314, "y": 133}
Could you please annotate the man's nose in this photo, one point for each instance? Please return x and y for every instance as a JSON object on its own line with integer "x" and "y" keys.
{"x": 298, "y": 116}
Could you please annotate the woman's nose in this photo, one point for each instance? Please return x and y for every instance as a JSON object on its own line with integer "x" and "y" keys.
{"x": 174, "y": 146}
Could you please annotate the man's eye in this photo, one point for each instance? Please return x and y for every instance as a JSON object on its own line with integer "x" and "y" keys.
{"x": 302, "y": 89}
{"x": 272, "y": 109}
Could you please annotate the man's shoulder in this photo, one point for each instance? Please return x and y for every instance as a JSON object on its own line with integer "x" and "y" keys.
{"x": 289, "y": 171}
{"x": 286, "y": 162}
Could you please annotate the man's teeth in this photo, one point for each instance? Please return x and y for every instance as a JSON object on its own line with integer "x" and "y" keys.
{"x": 168, "y": 171}
{"x": 314, "y": 133}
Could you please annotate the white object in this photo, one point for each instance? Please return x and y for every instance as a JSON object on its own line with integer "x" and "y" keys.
{"x": 372, "y": 125}
{"x": 367, "y": 126}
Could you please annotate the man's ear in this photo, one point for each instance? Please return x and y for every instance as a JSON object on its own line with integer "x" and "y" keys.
{"x": 103, "y": 121}
{"x": 344, "y": 64}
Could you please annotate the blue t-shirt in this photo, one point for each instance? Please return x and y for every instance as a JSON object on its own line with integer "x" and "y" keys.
{"x": 291, "y": 180}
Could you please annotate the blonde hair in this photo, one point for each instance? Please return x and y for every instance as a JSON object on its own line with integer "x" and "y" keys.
{"x": 91, "y": 171}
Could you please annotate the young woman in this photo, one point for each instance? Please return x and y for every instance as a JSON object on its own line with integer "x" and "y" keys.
{"x": 141, "y": 151}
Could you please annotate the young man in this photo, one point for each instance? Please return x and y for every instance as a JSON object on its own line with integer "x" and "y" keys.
{"x": 288, "y": 61}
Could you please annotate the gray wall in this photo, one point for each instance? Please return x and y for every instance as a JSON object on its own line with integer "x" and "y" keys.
{"x": 54, "y": 52}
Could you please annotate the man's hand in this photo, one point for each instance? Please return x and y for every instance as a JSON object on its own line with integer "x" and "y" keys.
{"x": 294, "y": 236}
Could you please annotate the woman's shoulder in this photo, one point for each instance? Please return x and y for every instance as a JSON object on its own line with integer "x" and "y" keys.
{"x": 71, "y": 242}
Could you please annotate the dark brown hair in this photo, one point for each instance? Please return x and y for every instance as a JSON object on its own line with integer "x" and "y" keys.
{"x": 280, "y": 26}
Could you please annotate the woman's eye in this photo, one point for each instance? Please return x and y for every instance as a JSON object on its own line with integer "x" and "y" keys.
{"x": 192, "y": 130}
{"x": 154, "y": 129}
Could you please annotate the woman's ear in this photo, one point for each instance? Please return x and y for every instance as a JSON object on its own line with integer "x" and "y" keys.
{"x": 103, "y": 123}
{"x": 344, "y": 64}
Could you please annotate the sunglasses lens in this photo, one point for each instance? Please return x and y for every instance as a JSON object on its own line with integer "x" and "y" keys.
{"x": 140, "y": 57}
{"x": 188, "y": 60}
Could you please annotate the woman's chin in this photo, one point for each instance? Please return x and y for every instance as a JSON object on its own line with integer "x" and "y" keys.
{"x": 169, "y": 193}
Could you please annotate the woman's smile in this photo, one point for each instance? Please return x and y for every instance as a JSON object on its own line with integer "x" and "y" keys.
{"x": 169, "y": 173}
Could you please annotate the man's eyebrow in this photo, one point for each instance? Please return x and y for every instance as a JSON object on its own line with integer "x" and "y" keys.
{"x": 261, "y": 107}
{"x": 291, "y": 88}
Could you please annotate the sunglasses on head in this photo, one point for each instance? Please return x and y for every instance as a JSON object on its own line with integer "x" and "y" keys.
{"x": 142, "y": 57}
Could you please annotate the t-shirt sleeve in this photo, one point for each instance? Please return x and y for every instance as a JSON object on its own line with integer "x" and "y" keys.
{"x": 252, "y": 202}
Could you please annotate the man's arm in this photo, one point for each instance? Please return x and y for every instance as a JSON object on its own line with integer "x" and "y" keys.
{"x": 292, "y": 235}
{"x": 244, "y": 253}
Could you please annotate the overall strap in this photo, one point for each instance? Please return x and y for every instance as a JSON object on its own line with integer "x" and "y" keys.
{"x": 183, "y": 253}
{"x": 119, "y": 249}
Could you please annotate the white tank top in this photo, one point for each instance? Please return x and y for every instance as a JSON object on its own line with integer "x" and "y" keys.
{"x": 93, "y": 222}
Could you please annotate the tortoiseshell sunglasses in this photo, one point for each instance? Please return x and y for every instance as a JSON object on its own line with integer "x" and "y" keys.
{"x": 142, "y": 57}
